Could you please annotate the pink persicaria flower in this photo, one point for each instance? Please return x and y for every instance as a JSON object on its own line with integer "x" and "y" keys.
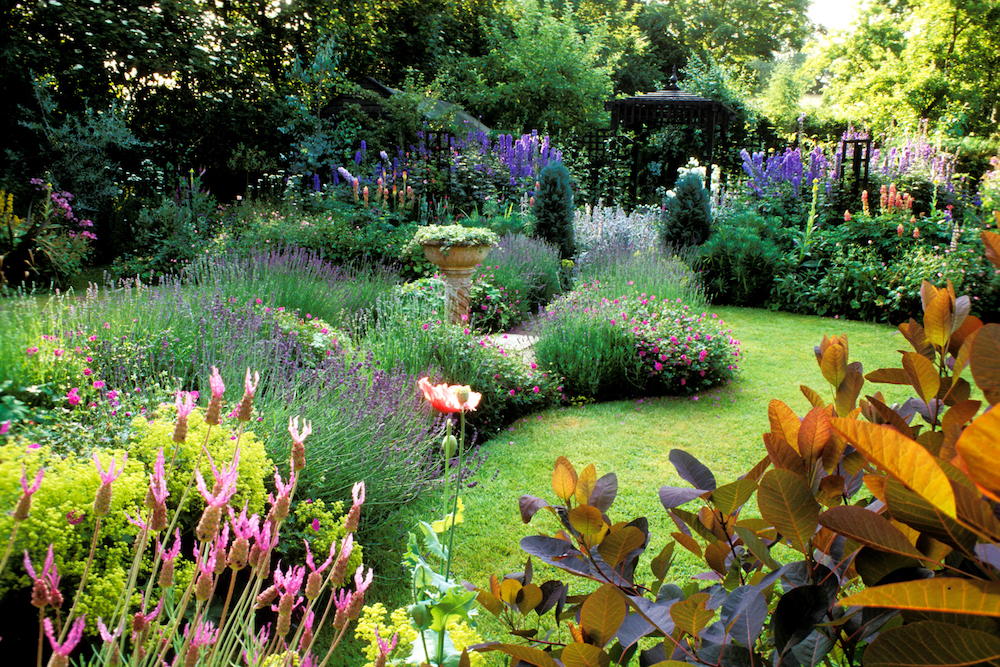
{"x": 215, "y": 403}
{"x": 249, "y": 389}
{"x": 184, "y": 402}
{"x": 31, "y": 351}
{"x": 61, "y": 652}
{"x": 298, "y": 461}
{"x": 73, "y": 396}
{"x": 45, "y": 589}
{"x": 354, "y": 514}
{"x": 58, "y": 352}
{"x": 102, "y": 500}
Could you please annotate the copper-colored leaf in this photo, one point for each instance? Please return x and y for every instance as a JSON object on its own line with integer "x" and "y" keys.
{"x": 812, "y": 396}
{"x": 911, "y": 509}
{"x": 730, "y": 497}
{"x": 786, "y": 501}
{"x": 976, "y": 514}
{"x": 846, "y": 397}
{"x": 932, "y": 644}
{"x": 756, "y": 546}
{"x": 889, "y": 376}
{"x": 905, "y": 459}
{"x": 923, "y": 376}
{"x": 962, "y": 336}
{"x": 814, "y": 433}
{"x": 834, "y": 365}
{"x": 783, "y": 455}
{"x": 620, "y": 543}
{"x": 585, "y": 484}
{"x": 784, "y": 422}
{"x": 661, "y": 563}
{"x": 587, "y": 519}
{"x": 941, "y": 594}
{"x": 490, "y": 601}
{"x": 509, "y": 588}
{"x": 759, "y": 469}
{"x": 831, "y": 490}
{"x": 688, "y": 543}
{"x": 939, "y": 316}
{"x": 528, "y": 598}
{"x": 985, "y": 361}
{"x": 868, "y": 528}
{"x": 979, "y": 449}
{"x": 715, "y": 557}
{"x": 531, "y": 656}
{"x": 564, "y": 479}
{"x": 890, "y": 416}
{"x": 914, "y": 334}
{"x": 992, "y": 243}
{"x": 584, "y": 655}
{"x": 602, "y": 614}
{"x": 690, "y": 616}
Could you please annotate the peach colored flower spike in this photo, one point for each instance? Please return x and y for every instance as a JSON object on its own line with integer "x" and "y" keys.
{"x": 445, "y": 398}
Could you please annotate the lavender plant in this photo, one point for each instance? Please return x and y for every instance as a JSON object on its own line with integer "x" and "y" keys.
{"x": 178, "y": 625}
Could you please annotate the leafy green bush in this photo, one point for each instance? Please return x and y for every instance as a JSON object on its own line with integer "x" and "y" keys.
{"x": 422, "y": 344}
{"x": 687, "y": 216}
{"x": 737, "y": 267}
{"x": 628, "y": 269}
{"x": 554, "y": 209}
{"x": 527, "y": 273}
{"x": 605, "y": 346}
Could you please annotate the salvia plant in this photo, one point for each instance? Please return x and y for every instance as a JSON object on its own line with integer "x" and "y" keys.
{"x": 874, "y": 540}
{"x": 166, "y": 616}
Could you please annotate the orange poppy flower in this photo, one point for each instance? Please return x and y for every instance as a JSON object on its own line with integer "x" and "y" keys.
{"x": 445, "y": 397}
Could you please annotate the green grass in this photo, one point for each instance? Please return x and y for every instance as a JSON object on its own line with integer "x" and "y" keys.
{"x": 632, "y": 438}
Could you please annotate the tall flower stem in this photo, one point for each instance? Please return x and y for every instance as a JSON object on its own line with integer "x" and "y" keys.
{"x": 458, "y": 488}
{"x": 83, "y": 582}
{"x": 10, "y": 546}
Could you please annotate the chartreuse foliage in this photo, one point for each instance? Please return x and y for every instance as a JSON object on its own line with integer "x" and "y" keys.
{"x": 882, "y": 533}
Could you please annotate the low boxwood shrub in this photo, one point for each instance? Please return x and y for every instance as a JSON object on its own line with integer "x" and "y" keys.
{"x": 605, "y": 347}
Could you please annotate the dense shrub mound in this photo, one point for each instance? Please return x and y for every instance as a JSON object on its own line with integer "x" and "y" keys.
{"x": 606, "y": 347}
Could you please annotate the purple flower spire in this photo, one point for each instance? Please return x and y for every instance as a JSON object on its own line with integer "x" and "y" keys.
{"x": 45, "y": 590}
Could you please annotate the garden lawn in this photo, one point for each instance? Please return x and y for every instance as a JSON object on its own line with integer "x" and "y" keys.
{"x": 633, "y": 438}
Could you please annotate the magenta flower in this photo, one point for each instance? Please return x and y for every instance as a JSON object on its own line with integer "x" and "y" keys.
{"x": 45, "y": 590}
{"x": 385, "y": 647}
{"x": 73, "y": 517}
{"x": 281, "y": 504}
{"x": 58, "y": 352}
{"x": 24, "y": 503}
{"x": 184, "y": 402}
{"x": 244, "y": 530}
{"x": 141, "y": 621}
{"x": 354, "y": 514}
{"x": 166, "y": 578}
{"x": 249, "y": 389}
{"x": 315, "y": 581}
{"x": 225, "y": 487}
{"x": 73, "y": 396}
{"x": 106, "y": 634}
{"x": 298, "y": 461}
{"x": 60, "y": 652}
{"x": 204, "y": 635}
{"x": 102, "y": 501}
{"x": 4, "y": 427}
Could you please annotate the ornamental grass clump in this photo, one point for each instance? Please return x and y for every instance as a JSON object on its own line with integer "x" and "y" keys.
{"x": 609, "y": 346}
{"x": 190, "y": 587}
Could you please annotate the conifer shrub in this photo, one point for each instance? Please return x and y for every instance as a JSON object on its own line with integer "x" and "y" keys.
{"x": 687, "y": 216}
{"x": 737, "y": 267}
{"x": 553, "y": 209}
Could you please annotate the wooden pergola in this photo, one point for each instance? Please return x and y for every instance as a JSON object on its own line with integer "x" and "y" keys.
{"x": 651, "y": 111}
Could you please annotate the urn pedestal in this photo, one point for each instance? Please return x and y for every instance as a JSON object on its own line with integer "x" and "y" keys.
{"x": 457, "y": 264}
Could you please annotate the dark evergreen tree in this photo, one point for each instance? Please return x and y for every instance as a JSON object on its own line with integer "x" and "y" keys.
{"x": 554, "y": 209}
{"x": 687, "y": 216}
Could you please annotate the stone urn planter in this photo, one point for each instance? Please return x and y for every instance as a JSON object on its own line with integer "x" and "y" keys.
{"x": 456, "y": 250}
